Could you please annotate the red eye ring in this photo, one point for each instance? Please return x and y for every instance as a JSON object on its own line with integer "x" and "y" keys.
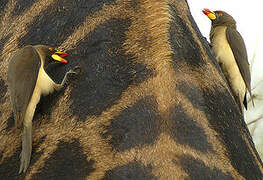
{"x": 51, "y": 49}
{"x": 220, "y": 14}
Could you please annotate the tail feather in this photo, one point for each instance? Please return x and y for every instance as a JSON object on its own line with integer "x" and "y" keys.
{"x": 251, "y": 96}
{"x": 245, "y": 101}
{"x": 25, "y": 155}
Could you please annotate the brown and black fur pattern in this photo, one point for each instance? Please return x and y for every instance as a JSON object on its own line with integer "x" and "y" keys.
{"x": 151, "y": 102}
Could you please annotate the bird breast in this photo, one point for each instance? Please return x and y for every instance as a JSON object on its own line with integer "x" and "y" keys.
{"x": 44, "y": 86}
{"x": 44, "y": 83}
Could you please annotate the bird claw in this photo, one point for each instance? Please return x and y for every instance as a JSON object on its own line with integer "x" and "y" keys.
{"x": 75, "y": 70}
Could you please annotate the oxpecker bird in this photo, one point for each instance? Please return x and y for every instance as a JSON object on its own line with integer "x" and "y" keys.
{"x": 27, "y": 81}
{"x": 230, "y": 51}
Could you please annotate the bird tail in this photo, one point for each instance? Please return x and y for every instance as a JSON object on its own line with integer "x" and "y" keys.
{"x": 25, "y": 155}
{"x": 251, "y": 97}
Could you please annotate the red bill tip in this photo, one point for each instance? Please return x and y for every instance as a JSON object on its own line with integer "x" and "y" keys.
{"x": 63, "y": 54}
{"x": 206, "y": 11}
{"x": 63, "y": 60}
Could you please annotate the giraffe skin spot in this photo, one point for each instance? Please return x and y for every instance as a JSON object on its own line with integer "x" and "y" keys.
{"x": 21, "y": 6}
{"x": 132, "y": 128}
{"x": 107, "y": 71}
{"x": 57, "y": 22}
{"x": 186, "y": 131}
{"x": 67, "y": 162}
{"x": 130, "y": 171}
{"x": 9, "y": 168}
{"x": 3, "y": 6}
{"x": 196, "y": 169}
{"x": 228, "y": 124}
{"x": 184, "y": 46}
{"x": 3, "y": 91}
{"x": 3, "y": 40}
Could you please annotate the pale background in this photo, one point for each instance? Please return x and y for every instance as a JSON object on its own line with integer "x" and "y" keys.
{"x": 248, "y": 15}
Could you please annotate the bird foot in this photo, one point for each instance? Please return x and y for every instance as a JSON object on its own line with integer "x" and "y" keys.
{"x": 76, "y": 70}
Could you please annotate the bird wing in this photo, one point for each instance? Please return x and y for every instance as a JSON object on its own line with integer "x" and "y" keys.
{"x": 238, "y": 47}
{"x": 22, "y": 76}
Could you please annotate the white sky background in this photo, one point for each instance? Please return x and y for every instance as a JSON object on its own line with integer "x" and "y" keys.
{"x": 248, "y": 15}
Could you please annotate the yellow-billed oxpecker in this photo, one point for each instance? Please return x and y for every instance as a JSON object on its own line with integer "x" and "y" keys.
{"x": 230, "y": 51}
{"x": 27, "y": 81}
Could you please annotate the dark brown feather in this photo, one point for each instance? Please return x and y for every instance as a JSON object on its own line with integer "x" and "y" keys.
{"x": 238, "y": 47}
{"x": 22, "y": 76}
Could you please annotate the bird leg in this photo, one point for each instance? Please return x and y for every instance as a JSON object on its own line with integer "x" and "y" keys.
{"x": 75, "y": 70}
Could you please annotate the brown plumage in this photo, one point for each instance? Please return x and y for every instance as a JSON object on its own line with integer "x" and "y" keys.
{"x": 230, "y": 51}
{"x": 27, "y": 81}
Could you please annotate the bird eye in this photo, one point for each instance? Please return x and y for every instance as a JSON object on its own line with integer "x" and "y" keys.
{"x": 50, "y": 49}
{"x": 220, "y": 14}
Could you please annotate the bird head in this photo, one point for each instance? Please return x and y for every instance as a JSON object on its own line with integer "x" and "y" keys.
{"x": 219, "y": 18}
{"x": 51, "y": 55}
{"x": 58, "y": 55}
